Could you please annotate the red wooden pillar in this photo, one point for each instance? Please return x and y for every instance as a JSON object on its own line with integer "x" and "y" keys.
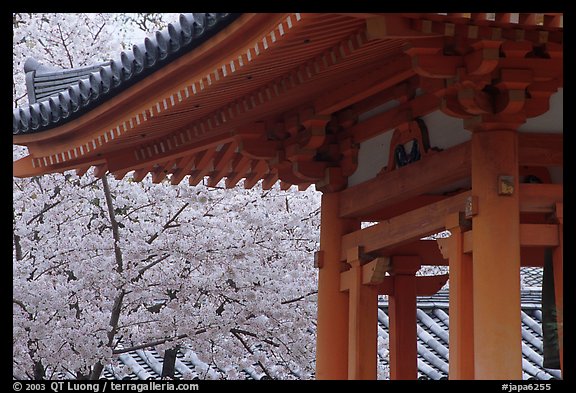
{"x": 363, "y": 323}
{"x": 402, "y": 314}
{"x": 332, "y": 324}
{"x": 496, "y": 252}
{"x": 557, "y": 260}
{"x": 461, "y": 365}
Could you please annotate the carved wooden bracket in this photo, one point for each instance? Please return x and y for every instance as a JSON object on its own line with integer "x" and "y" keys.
{"x": 490, "y": 76}
{"x": 305, "y": 148}
{"x": 414, "y": 132}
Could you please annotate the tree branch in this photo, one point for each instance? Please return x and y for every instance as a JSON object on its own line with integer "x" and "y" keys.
{"x": 167, "y": 225}
{"x": 150, "y": 344}
{"x": 299, "y": 298}
{"x": 23, "y": 307}
{"x": 68, "y": 54}
{"x": 114, "y": 223}
{"x": 247, "y": 333}
{"x": 16, "y": 240}
{"x": 138, "y": 208}
{"x": 150, "y": 265}
{"x": 46, "y": 208}
{"x": 237, "y": 335}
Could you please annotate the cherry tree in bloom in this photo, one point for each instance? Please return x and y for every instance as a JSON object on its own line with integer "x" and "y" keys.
{"x": 102, "y": 266}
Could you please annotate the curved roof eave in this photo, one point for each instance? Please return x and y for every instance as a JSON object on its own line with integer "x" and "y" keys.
{"x": 91, "y": 89}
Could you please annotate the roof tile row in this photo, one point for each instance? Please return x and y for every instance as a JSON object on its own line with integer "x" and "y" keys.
{"x": 85, "y": 89}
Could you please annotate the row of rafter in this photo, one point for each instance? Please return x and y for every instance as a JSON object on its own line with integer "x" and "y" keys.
{"x": 212, "y": 165}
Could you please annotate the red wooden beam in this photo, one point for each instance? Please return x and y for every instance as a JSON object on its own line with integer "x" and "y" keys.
{"x": 434, "y": 171}
{"x": 404, "y": 228}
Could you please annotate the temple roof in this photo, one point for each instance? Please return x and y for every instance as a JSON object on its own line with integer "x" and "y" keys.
{"x": 57, "y": 96}
{"x": 287, "y": 97}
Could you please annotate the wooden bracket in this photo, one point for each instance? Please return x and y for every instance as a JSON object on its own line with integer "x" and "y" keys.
{"x": 373, "y": 270}
{"x": 414, "y": 132}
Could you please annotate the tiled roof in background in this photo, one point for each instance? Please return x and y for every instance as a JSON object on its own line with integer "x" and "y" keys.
{"x": 531, "y": 277}
{"x": 57, "y": 96}
{"x": 433, "y": 339}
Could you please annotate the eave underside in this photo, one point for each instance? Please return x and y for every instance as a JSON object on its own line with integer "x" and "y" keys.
{"x": 260, "y": 82}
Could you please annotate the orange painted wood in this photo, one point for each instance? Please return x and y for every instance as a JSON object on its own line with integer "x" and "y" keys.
{"x": 119, "y": 175}
{"x": 184, "y": 166}
{"x": 403, "y": 207}
{"x": 24, "y": 167}
{"x": 539, "y": 235}
{"x": 332, "y": 322}
{"x": 215, "y": 109}
{"x": 373, "y": 273}
{"x": 540, "y": 198}
{"x": 461, "y": 365}
{"x": 161, "y": 171}
{"x": 529, "y": 256}
{"x": 362, "y": 325}
{"x": 401, "y": 91}
{"x": 427, "y": 250}
{"x": 437, "y": 66}
{"x": 238, "y": 170}
{"x": 431, "y": 172}
{"x": 125, "y": 158}
{"x": 202, "y": 165}
{"x": 221, "y": 164}
{"x": 402, "y": 328}
{"x": 405, "y": 228}
{"x": 392, "y": 26}
{"x": 140, "y": 173}
{"x": 541, "y": 149}
{"x": 100, "y": 170}
{"x": 419, "y": 106}
{"x": 496, "y": 258}
{"x": 258, "y": 171}
{"x": 269, "y": 180}
{"x": 531, "y": 235}
{"x": 82, "y": 170}
{"x": 429, "y": 285}
{"x": 532, "y": 257}
{"x": 364, "y": 85}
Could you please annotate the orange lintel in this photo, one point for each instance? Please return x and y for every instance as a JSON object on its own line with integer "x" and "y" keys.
{"x": 419, "y": 106}
{"x": 540, "y": 198}
{"x": 426, "y": 250}
{"x": 540, "y": 149}
{"x": 403, "y": 207}
{"x": 531, "y": 235}
{"x": 425, "y": 285}
{"x": 404, "y": 228}
{"x": 433, "y": 171}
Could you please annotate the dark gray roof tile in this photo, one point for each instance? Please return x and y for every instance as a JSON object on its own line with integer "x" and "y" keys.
{"x": 71, "y": 92}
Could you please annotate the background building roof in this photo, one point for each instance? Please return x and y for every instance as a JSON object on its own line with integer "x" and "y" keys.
{"x": 433, "y": 342}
